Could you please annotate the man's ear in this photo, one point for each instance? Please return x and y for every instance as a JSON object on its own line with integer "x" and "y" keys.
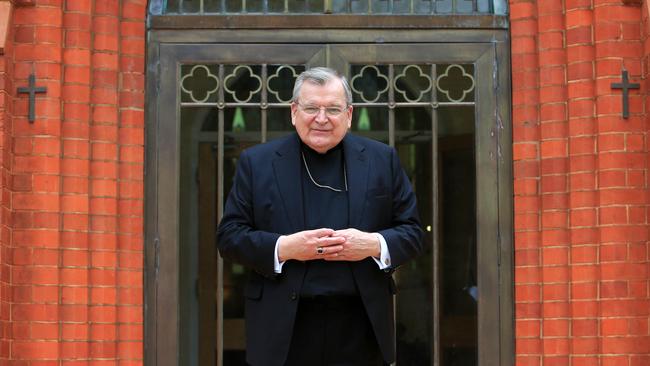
{"x": 349, "y": 117}
{"x": 294, "y": 108}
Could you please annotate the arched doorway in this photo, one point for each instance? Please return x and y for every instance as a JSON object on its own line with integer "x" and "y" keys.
{"x": 435, "y": 87}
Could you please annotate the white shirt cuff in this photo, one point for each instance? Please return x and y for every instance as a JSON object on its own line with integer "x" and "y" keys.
{"x": 384, "y": 257}
{"x": 277, "y": 266}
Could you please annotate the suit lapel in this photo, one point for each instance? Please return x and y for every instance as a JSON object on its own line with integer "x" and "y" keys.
{"x": 287, "y": 176}
{"x": 357, "y": 169}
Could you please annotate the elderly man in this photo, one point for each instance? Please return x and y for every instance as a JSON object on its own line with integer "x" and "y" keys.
{"x": 322, "y": 218}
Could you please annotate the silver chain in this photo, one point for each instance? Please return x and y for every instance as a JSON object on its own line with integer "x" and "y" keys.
{"x": 345, "y": 176}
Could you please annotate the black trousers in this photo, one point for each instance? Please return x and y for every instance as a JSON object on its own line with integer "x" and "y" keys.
{"x": 333, "y": 331}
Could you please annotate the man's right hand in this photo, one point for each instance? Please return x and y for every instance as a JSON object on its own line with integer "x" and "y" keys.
{"x": 303, "y": 245}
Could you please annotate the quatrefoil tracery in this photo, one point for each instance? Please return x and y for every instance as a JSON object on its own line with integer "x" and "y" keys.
{"x": 241, "y": 75}
{"x": 281, "y": 70}
{"x": 421, "y": 78}
{"x": 207, "y": 75}
{"x": 370, "y": 84}
{"x": 362, "y": 76}
{"x": 463, "y": 75}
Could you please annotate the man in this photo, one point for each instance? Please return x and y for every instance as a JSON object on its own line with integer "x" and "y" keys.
{"x": 322, "y": 218}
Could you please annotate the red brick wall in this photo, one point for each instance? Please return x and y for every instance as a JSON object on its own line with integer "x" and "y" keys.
{"x": 72, "y": 218}
{"x": 6, "y": 95}
{"x": 71, "y": 205}
{"x": 581, "y": 250}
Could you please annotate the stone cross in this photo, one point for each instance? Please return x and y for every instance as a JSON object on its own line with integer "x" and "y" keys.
{"x": 626, "y": 86}
{"x": 32, "y": 89}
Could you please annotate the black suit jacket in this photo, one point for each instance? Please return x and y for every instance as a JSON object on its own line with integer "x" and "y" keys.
{"x": 266, "y": 202}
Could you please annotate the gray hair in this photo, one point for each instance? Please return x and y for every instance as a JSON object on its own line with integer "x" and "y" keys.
{"x": 320, "y": 76}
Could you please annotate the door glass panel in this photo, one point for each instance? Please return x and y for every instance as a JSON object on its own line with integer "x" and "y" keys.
{"x": 243, "y": 92}
{"x": 457, "y": 234}
{"x": 371, "y": 122}
{"x": 279, "y": 122}
{"x": 197, "y": 201}
{"x": 198, "y": 258}
{"x": 414, "y": 300}
{"x": 243, "y": 120}
{"x": 234, "y": 274}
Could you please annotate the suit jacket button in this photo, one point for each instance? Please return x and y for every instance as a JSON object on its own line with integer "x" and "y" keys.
{"x": 293, "y": 296}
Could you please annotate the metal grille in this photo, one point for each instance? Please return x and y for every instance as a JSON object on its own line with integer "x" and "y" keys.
{"x": 251, "y": 92}
{"x": 372, "y": 85}
{"x": 397, "y": 7}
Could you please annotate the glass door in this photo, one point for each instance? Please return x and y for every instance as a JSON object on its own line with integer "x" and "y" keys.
{"x": 250, "y": 107}
{"x": 434, "y": 103}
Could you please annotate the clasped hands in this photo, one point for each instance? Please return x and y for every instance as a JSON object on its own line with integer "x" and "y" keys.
{"x": 337, "y": 245}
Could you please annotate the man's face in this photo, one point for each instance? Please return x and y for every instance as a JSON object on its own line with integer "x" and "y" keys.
{"x": 321, "y": 115}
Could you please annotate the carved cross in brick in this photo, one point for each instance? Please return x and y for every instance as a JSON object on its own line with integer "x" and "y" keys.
{"x": 626, "y": 86}
{"x": 32, "y": 89}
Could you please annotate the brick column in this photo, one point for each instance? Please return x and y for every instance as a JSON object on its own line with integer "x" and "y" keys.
{"x": 583, "y": 198}
{"x": 526, "y": 135}
{"x": 76, "y": 325}
{"x": 581, "y": 204}
{"x": 622, "y": 189}
{"x": 6, "y": 95}
{"x": 130, "y": 196}
{"x": 35, "y": 202}
{"x": 74, "y": 236}
{"x": 555, "y": 233}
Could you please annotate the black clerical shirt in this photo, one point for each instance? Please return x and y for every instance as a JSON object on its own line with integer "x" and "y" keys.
{"x": 326, "y": 208}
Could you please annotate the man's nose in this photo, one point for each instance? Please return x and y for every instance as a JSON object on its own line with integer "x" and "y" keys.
{"x": 321, "y": 116}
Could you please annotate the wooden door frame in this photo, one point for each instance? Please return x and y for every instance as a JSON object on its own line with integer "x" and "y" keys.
{"x": 178, "y": 45}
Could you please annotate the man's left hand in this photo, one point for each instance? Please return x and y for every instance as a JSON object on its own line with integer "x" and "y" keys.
{"x": 358, "y": 245}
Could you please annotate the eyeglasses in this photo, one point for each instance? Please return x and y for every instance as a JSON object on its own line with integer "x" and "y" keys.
{"x": 313, "y": 110}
